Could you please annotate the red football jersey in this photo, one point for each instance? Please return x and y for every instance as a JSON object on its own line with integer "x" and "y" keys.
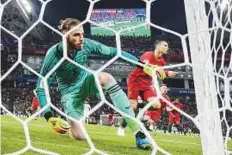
{"x": 35, "y": 103}
{"x": 156, "y": 114}
{"x": 138, "y": 79}
{"x": 163, "y": 103}
{"x": 179, "y": 106}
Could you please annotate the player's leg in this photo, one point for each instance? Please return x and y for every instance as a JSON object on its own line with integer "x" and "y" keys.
{"x": 118, "y": 97}
{"x": 177, "y": 123}
{"x": 75, "y": 131}
{"x": 148, "y": 121}
{"x": 28, "y": 114}
{"x": 132, "y": 95}
{"x": 121, "y": 128}
{"x": 169, "y": 127}
{"x": 122, "y": 103}
{"x": 170, "y": 122}
{"x": 74, "y": 107}
{"x": 150, "y": 96}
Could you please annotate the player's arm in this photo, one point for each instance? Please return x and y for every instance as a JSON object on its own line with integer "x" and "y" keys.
{"x": 58, "y": 124}
{"x": 101, "y": 49}
{"x": 168, "y": 73}
{"x": 46, "y": 67}
{"x": 148, "y": 68}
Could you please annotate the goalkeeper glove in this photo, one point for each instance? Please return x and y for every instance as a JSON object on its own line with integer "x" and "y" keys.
{"x": 59, "y": 125}
{"x": 159, "y": 71}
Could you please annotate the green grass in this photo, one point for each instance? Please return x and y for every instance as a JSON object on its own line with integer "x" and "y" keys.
{"x": 103, "y": 137}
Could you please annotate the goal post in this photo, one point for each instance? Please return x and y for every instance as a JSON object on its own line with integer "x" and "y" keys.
{"x": 204, "y": 80}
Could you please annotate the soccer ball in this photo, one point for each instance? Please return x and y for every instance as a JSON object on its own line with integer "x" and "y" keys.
{"x": 59, "y": 125}
{"x": 62, "y": 128}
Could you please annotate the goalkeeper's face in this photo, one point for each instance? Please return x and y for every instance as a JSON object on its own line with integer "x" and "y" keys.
{"x": 75, "y": 38}
{"x": 163, "y": 47}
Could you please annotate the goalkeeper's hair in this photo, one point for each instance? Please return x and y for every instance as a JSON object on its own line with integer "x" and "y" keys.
{"x": 67, "y": 24}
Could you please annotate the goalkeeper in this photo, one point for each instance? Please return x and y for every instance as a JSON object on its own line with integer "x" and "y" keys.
{"x": 140, "y": 79}
{"x": 76, "y": 84}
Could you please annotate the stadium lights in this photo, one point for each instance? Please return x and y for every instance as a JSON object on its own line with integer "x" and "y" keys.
{"x": 25, "y": 7}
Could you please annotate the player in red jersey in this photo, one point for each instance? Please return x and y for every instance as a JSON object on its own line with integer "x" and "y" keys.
{"x": 152, "y": 116}
{"x": 111, "y": 119}
{"x": 174, "y": 116}
{"x": 34, "y": 106}
{"x": 139, "y": 82}
{"x": 35, "y": 102}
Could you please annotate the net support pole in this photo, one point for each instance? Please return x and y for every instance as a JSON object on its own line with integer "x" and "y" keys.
{"x": 204, "y": 82}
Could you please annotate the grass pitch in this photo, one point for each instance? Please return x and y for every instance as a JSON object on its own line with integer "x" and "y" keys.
{"x": 103, "y": 137}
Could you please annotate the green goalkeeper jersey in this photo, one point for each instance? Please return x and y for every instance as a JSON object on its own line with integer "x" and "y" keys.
{"x": 70, "y": 77}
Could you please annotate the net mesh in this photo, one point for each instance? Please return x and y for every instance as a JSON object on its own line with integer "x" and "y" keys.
{"x": 219, "y": 19}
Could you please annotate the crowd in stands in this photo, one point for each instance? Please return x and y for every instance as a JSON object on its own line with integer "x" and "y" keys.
{"x": 112, "y": 14}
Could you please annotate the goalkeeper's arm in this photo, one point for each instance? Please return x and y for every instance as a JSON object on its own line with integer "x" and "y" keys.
{"x": 101, "y": 49}
{"x": 42, "y": 99}
{"x": 46, "y": 67}
{"x": 57, "y": 124}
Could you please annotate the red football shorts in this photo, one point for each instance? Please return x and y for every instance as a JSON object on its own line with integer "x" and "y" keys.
{"x": 144, "y": 94}
{"x": 174, "y": 119}
{"x": 154, "y": 115}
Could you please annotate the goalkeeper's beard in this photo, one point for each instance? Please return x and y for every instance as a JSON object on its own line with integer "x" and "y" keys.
{"x": 73, "y": 46}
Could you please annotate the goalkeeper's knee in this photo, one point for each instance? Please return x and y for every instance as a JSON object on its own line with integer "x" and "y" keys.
{"x": 76, "y": 135}
{"x": 75, "y": 131}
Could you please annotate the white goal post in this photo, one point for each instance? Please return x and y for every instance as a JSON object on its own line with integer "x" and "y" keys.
{"x": 204, "y": 80}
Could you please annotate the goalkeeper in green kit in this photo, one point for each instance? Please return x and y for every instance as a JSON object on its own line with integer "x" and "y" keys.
{"x": 76, "y": 84}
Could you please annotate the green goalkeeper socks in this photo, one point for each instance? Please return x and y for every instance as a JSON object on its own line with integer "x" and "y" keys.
{"x": 122, "y": 103}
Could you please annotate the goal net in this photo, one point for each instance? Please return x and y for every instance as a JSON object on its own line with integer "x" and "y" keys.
{"x": 206, "y": 58}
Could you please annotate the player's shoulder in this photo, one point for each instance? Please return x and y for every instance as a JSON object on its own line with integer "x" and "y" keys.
{"x": 89, "y": 42}
{"x": 54, "y": 48}
{"x": 148, "y": 53}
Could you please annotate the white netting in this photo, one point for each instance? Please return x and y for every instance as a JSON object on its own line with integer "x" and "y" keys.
{"x": 219, "y": 26}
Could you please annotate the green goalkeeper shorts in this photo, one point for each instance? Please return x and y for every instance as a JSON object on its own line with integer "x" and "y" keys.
{"x": 74, "y": 103}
